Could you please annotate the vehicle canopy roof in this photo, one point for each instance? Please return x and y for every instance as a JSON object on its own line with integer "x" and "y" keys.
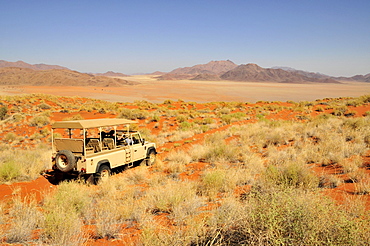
{"x": 92, "y": 123}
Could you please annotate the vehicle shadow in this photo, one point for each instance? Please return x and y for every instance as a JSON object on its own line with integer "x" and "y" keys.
{"x": 55, "y": 177}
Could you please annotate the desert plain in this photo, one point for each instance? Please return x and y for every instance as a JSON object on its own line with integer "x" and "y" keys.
{"x": 153, "y": 90}
{"x": 238, "y": 162}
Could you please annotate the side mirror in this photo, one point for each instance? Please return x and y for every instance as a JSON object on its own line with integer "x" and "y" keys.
{"x": 143, "y": 141}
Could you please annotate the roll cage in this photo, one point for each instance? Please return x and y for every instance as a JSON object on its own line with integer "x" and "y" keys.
{"x": 112, "y": 134}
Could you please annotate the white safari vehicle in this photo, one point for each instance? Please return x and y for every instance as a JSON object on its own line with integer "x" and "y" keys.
{"x": 92, "y": 148}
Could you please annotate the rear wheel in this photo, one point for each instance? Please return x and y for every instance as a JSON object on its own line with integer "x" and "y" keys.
{"x": 103, "y": 174}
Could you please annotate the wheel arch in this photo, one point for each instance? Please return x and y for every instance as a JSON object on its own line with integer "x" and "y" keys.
{"x": 101, "y": 163}
{"x": 151, "y": 149}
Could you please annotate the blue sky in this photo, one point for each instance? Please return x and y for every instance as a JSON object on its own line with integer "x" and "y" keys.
{"x": 326, "y": 36}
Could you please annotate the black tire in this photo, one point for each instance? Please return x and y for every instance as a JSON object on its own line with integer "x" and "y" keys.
{"x": 88, "y": 179}
{"x": 103, "y": 174}
{"x": 65, "y": 161}
{"x": 151, "y": 158}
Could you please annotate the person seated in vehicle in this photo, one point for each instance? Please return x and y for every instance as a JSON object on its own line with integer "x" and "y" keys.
{"x": 135, "y": 140}
{"x": 110, "y": 134}
{"x": 125, "y": 140}
{"x": 129, "y": 141}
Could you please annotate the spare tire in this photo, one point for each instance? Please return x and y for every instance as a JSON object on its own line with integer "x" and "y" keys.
{"x": 65, "y": 160}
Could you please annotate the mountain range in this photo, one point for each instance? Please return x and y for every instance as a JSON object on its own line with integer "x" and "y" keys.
{"x": 253, "y": 72}
{"x": 23, "y": 64}
{"x": 212, "y": 67}
{"x": 43, "y": 74}
{"x": 227, "y": 70}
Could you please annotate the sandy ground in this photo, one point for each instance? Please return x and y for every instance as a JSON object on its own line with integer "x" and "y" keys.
{"x": 155, "y": 91}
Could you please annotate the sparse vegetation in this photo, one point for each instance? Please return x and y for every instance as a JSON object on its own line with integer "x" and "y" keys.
{"x": 21, "y": 165}
{"x": 255, "y": 183}
{"x": 3, "y": 112}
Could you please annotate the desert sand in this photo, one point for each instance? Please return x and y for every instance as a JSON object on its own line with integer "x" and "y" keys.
{"x": 156, "y": 91}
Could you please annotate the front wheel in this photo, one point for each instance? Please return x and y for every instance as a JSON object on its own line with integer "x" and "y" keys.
{"x": 103, "y": 174}
{"x": 151, "y": 158}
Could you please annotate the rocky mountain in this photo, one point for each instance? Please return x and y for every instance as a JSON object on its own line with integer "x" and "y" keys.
{"x": 362, "y": 78}
{"x": 213, "y": 67}
{"x": 358, "y": 78}
{"x": 207, "y": 77}
{"x": 22, "y": 64}
{"x": 56, "y": 77}
{"x": 254, "y": 73}
{"x": 304, "y": 73}
{"x": 111, "y": 74}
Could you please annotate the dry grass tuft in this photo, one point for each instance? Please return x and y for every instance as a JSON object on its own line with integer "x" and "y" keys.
{"x": 24, "y": 218}
{"x": 21, "y": 165}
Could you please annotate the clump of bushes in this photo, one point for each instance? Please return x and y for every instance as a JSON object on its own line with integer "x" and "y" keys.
{"x": 3, "y": 112}
{"x": 290, "y": 175}
{"x": 21, "y": 165}
{"x": 39, "y": 121}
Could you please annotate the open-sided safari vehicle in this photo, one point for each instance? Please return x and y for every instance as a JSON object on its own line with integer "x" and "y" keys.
{"x": 92, "y": 148}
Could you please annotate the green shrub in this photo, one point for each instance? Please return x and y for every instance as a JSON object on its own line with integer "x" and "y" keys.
{"x": 291, "y": 174}
{"x": 156, "y": 118}
{"x": 10, "y": 136}
{"x": 3, "y": 112}
{"x": 44, "y": 106}
{"x": 23, "y": 165}
{"x": 62, "y": 227}
{"x": 181, "y": 118}
{"x": 186, "y": 125}
{"x": 284, "y": 217}
{"x": 221, "y": 152}
{"x": 39, "y": 121}
{"x": 167, "y": 197}
{"x": 71, "y": 196}
{"x": 133, "y": 114}
{"x": 227, "y": 119}
{"x": 9, "y": 171}
{"x": 215, "y": 181}
{"x": 64, "y": 211}
{"x": 168, "y": 102}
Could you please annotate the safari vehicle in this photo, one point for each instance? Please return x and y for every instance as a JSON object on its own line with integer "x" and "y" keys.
{"x": 92, "y": 148}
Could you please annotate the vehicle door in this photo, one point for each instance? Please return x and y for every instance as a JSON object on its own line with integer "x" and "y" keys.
{"x": 138, "y": 150}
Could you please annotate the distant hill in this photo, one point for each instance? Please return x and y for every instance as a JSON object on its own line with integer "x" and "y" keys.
{"x": 358, "y": 78}
{"x": 111, "y": 74}
{"x": 170, "y": 76}
{"x": 56, "y": 77}
{"x": 213, "y": 67}
{"x": 304, "y": 73}
{"x": 361, "y": 78}
{"x": 206, "y": 77}
{"x": 157, "y": 73}
{"x": 252, "y": 72}
{"x": 22, "y": 64}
